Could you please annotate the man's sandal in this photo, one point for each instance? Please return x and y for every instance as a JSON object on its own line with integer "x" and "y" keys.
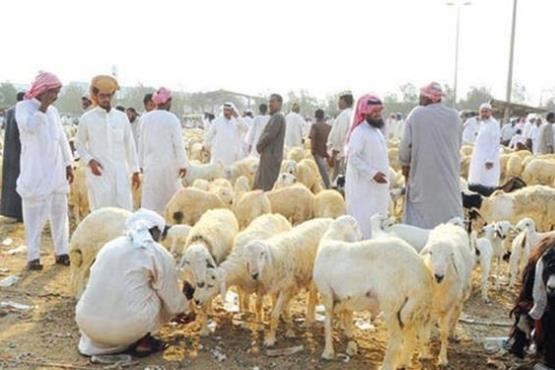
{"x": 34, "y": 265}
{"x": 62, "y": 259}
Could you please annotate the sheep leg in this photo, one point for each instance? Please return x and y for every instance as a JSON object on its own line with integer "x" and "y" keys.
{"x": 259, "y": 309}
{"x": 352, "y": 347}
{"x": 409, "y": 344}
{"x": 329, "y": 352}
{"x": 455, "y": 314}
{"x": 394, "y": 345}
{"x": 243, "y": 300}
{"x": 513, "y": 266}
{"x": 424, "y": 334}
{"x": 203, "y": 320}
{"x": 497, "y": 272}
{"x": 311, "y": 306}
{"x": 444, "y": 321}
{"x": 486, "y": 265}
{"x": 282, "y": 299}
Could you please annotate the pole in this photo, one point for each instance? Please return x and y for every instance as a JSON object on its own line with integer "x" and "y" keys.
{"x": 456, "y": 78}
{"x": 511, "y": 60}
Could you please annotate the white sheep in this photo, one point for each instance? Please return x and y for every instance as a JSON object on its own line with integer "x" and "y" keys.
{"x": 284, "y": 179}
{"x": 246, "y": 167}
{"x": 296, "y": 154}
{"x": 176, "y": 237}
{"x": 241, "y": 185}
{"x": 208, "y": 172}
{"x": 295, "y": 202}
{"x": 289, "y": 166}
{"x": 496, "y": 233}
{"x": 415, "y": 236}
{"x": 309, "y": 175}
{"x": 248, "y": 206}
{"x": 78, "y": 196}
{"x": 384, "y": 275}
{"x": 449, "y": 258}
{"x": 97, "y": 229}
{"x": 188, "y": 204}
{"x": 283, "y": 265}
{"x": 233, "y": 271}
{"x": 329, "y": 203}
{"x": 484, "y": 251}
{"x": 223, "y": 189}
{"x": 209, "y": 242}
{"x": 201, "y": 184}
{"x": 539, "y": 172}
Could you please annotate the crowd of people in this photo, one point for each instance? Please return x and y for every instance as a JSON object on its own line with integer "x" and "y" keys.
{"x": 122, "y": 149}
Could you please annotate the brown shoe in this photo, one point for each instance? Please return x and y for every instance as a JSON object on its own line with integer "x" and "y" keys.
{"x": 62, "y": 259}
{"x": 34, "y": 265}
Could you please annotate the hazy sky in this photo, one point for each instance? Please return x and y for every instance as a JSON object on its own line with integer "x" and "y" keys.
{"x": 258, "y": 46}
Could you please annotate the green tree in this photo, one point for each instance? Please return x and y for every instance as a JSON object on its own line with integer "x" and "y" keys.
{"x": 8, "y": 94}
{"x": 474, "y": 97}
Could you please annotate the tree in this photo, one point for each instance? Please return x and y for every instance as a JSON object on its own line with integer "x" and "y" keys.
{"x": 69, "y": 100}
{"x": 409, "y": 93}
{"x": 475, "y": 97}
{"x": 8, "y": 94}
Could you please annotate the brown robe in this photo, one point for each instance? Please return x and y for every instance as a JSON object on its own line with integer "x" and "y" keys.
{"x": 270, "y": 147}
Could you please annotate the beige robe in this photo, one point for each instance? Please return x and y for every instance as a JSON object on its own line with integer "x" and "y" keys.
{"x": 270, "y": 147}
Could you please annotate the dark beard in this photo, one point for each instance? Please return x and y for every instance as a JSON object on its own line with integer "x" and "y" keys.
{"x": 375, "y": 123}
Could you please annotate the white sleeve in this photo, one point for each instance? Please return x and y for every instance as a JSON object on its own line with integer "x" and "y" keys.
{"x": 29, "y": 122}
{"x": 81, "y": 142}
{"x": 130, "y": 148}
{"x": 356, "y": 157}
{"x": 179, "y": 147}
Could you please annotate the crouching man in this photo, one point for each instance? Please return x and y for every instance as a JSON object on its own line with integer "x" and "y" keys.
{"x": 132, "y": 291}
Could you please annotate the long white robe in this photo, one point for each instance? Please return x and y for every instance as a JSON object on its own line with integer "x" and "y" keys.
{"x": 364, "y": 197}
{"x": 224, "y": 139}
{"x": 486, "y": 150}
{"x": 161, "y": 156}
{"x": 534, "y": 136}
{"x": 258, "y": 125}
{"x": 507, "y": 132}
{"x": 107, "y": 138}
{"x": 131, "y": 292}
{"x": 339, "y": 132}
{"x": 42, "y": 182}
{"x": 295, "y": 126}
{"x": 470, "y": 131}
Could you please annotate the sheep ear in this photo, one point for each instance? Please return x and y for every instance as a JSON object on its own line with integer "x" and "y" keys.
{"x": 209, "y": 263}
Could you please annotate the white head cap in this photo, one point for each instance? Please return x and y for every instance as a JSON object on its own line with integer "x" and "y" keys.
{"x": 485, "y": 106}
{"x": 139, "y": 224}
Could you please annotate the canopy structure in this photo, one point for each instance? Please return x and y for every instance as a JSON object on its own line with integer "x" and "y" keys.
{"x": 519, "y": 110}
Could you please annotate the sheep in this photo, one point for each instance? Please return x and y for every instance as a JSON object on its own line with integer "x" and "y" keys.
{"x": 203, "y": 171}
{"x": 466, "y": 150}
{"x": 496, "y": 233}
{"x": 484, "y": 255}
{"x": 208, "y": 244}
{"x": 284, "y": 179}
{"x": 282, "y": 265}
{"x": 539, "y": 172}
{"x": 536, "y": 202}
{"x": 232, "y": 271}
{"x": 378, "y": 275}
{"x": 201, "y": 184}
{"x": 176, "y": 236}
{"x": 449, "y": 258}
{"x": 289, "y": 166}
{"x": 295, "y": 202}
{"x": 329, "y": 203}
{"x": 246, "y": 167}
{"x": 309, "y": 175}
{"x": 524, "y": 244}
{"x": 241, "y": 185}
{"x": 514, "y": 167}
{"x": 188, "y": 204}
{"x": 198, "y": 153}
{"x": 97, "y": 229}
{"x": 296, "y": 154}
{"x": 224, "y": 189}
{"x": 248, "y": 206}
{"x": 78, "y": 195}
{"x": 415, "y": 236}
{"x": 393, "y": 155}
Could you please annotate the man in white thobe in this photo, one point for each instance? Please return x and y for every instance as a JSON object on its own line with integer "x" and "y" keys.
{"x": 295, "y": 128}
{"x": 46, "y": 168}
{"x": 162, "y": 154}
{"x": 470, "y": 131}
{"x": 391, "y": 126}
{"x": 485, "y": 167}
{"x": 366, "y": 184}
{"x": 134, "y": 120}
{"x": 132, "y": 291}
{"x": 105, "y": 143}
{"x": 546, "y": 142}
{"x": 507, "y": 132}
{"x": 258, "y": 125}
{"x": 400, "y": 127}
{"x": 224, "y": 137}
{"x": 338, "y": 134}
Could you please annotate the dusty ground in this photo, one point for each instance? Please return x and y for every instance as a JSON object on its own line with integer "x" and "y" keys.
{"x": 45, "y": 337}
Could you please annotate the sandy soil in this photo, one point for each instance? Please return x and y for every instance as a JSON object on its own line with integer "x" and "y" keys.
{"x": 45, "y": 336}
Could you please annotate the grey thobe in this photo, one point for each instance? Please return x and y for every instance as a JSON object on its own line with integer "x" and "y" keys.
{"x": 545, "y": 141}
{"x": 10, "y": 202}
{"x": 270, "y": 147}
{"x": 430, "y": 146}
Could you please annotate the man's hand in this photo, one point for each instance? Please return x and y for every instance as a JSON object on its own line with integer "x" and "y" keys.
{"x": 69, "y": 174}
{"x": 136, "y": 181}
{"x": 182, "y": 172}
{"x": 380, "y": 178}
{"x": 405, "y": 170}
{"x": 331, "y": 161}
{"x": 489, "y": 165}
{"x": 96, "y": 167}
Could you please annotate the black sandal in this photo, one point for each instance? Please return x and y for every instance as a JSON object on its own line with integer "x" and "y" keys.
{"x": 62, "y": 259}
{"x": 156, "y": 345}
{"x": 34, "y": 265}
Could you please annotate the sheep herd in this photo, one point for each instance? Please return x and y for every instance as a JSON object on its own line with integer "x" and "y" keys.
{"x": 297, "y": 237}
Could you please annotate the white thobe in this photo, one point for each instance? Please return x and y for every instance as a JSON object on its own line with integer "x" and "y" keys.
{"x": 161, "y": 156}
{"x": 131, "y": 292}
{"x": 42, "y": 183}
{"x": 507, "y": 132}
{"x": 339, "y": 132}
{"x": 486, "y": 150}
{"x": 364, "y": 197}
{"x": 400, "y": 129}
{"x": 526, "y": 129}
{"x": 470, "y": 131}
{"x": 224, "y": 139}
{"x": 534, "y": 135}
{"x": 136, "y": 129}
{"x": 294, "y": 130}
{"x": 258, "y": 125}
{"x": 107, "y": 138}
{"x": 390, "y": 127}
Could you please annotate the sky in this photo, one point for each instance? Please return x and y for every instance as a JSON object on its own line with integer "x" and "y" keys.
{"x": 262, "y": 46}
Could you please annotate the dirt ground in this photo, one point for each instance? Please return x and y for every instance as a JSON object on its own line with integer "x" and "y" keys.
{"x": 45, "y": 336}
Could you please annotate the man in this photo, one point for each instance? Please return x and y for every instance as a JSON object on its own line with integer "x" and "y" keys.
{"x": 105, "y": 143}
{"x": 132, "y": 291}
{"x": 400, "y": 127}
{"x": 133, "y": 118}
{"x": 294, "y": 131}
{"x": 391, "y": 125}
{"x": 319, "y": 133}
{"x": 224, "y": 137}
{"x": 148, "y": 104}
{"x": 518, "y": 142}
{"x": 46, "y": 169}
{"x": 10, "y": 202}
{"x": 86, "y": 102}
{"x": 258, "y": 125}
{"x": 270, "y": 146}
{"x": 338, "y": 134}
{"x": 470, "y": 130}
{"x": 546, "y": 136}
{"x": 366, "y": 183}
{"x": 507, "y": 132}
{"x": 533, "y": 135}
{"x": 485, "y": 166}
{"x": 430, "y": 156}
{"x": 162, "y": 153}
